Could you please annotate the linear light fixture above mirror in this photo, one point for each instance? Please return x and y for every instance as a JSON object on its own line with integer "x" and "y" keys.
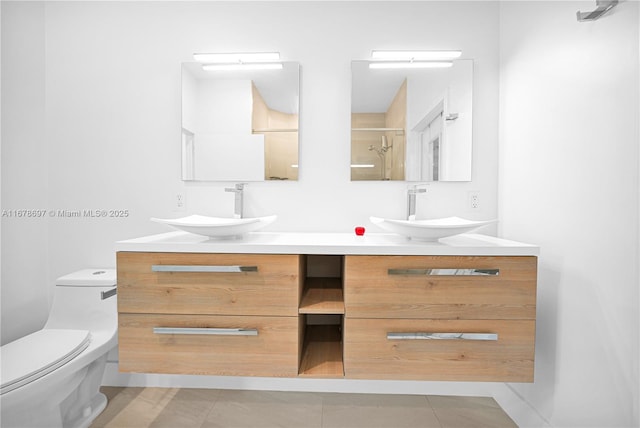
{"x": 236, "y": 57}
{"x": 413, "y": 59}
{"x": 238, "y": 61}
{"x": 415, "y": 55}
{"x": 243, "y": 66}
{"x": 410, "y": 64}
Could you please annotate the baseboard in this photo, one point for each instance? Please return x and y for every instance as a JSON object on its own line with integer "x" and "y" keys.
{"x": 522, "y": 412}
{"x": 113, "y": 377}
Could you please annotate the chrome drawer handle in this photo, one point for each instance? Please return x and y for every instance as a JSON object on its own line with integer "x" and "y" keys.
{"x": 445, "y": 272}
{"x": 208, "y": 331}
{"x": 203, "y": 268}
{"x": 442, "y": 336}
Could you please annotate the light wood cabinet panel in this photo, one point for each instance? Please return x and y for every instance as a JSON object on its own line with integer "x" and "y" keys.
{"x": 247, "y": 315}
{"x": 369, "y": 354}
{"x": 271, "y": 286}
{"x": 273, "y": 351}
{"x": 372, "y": 292}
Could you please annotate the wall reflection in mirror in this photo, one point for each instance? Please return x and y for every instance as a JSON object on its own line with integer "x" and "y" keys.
{"x": 240, "y": 125}
{"x": 411, "y": 124}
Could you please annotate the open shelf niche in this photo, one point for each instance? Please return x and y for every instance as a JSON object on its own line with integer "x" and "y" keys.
{"x": 322, "y": 316}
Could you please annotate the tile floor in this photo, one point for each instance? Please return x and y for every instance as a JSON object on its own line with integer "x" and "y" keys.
{"x": 186, "y": 408}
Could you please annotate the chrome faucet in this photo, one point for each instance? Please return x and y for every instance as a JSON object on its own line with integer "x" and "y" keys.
{"x": 412, "y": 191}
{"x": 238, "y": 204}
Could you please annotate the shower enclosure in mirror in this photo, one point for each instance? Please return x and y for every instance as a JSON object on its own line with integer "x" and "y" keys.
{"x": 411, "y": 124}
{"x": 240, "y": 125}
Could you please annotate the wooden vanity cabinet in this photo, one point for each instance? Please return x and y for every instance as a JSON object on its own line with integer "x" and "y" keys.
{"x": 440, "y": 318}
{"x": 214, "y": 314}
{"x": 220, "y": 345}
{"x": 216, "y": 284}
{"x": 456, "y": 318}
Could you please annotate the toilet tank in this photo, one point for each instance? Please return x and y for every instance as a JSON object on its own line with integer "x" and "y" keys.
{"x": 85, "y": 300}
{"x": 89, "y": 278}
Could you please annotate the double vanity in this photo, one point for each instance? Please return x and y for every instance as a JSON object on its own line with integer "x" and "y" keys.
{"x": 328, "y": 305}
{"x": 428, "y": 301}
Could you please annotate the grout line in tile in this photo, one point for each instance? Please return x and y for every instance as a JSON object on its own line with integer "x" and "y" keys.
{"x": 213, "y": 404}
{"x": 434, "y": 411}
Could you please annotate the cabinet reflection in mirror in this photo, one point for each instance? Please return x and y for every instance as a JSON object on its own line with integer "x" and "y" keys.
{"x": 240, "y": 125}
{"x": 411, "y": 124}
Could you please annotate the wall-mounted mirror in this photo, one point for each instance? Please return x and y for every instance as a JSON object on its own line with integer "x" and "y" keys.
{"x": 411, "y": 124}
{"x": 240, "y": 125}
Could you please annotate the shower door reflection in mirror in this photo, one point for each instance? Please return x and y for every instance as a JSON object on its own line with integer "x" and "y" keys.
{"x": 411, "y": 124}
{"x": 240, "y": 125}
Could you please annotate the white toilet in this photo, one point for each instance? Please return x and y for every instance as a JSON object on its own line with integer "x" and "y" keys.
{"x": 51, "y": 378}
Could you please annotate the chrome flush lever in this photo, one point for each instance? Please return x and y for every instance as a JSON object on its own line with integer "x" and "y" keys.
{"x": 602, "y": 7}
{"x": 109, "y": 293}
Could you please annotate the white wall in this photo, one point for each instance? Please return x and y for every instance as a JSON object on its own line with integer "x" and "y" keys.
{"x": 458, "y": 130}
{"x": 448, "y": 92}
{"x": 107, "y": 82}
{"x": 569, "y": 111}
{"x": 24, "y": 296}
{"x": 189, "y": 101}
{"x": 91, "y": 120}
{"x": 224, "y": 106}
{"x": 224, "y": 146}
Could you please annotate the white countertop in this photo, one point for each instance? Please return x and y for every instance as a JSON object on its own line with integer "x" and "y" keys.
{"x": 329, "y": 243}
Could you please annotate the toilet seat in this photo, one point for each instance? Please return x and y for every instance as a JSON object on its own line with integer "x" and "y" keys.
{"x": 31, "y": 357}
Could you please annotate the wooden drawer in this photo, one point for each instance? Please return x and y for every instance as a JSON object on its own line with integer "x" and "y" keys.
{"x": 272, "y": 351}
{"x": 369, "y": 353}
{"x": 407, "y": 287}
{"x": 263, "y": 284}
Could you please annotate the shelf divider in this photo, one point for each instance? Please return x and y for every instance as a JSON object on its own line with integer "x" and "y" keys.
{"x": 322, "y": 296}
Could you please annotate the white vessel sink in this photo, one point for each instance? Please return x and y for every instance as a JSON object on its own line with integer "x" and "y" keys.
{"x": 429, "y": 230}
{"x": 217, "y": 227}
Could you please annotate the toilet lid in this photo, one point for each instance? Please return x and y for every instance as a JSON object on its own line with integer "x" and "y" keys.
{"x": 31, "y": 357}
